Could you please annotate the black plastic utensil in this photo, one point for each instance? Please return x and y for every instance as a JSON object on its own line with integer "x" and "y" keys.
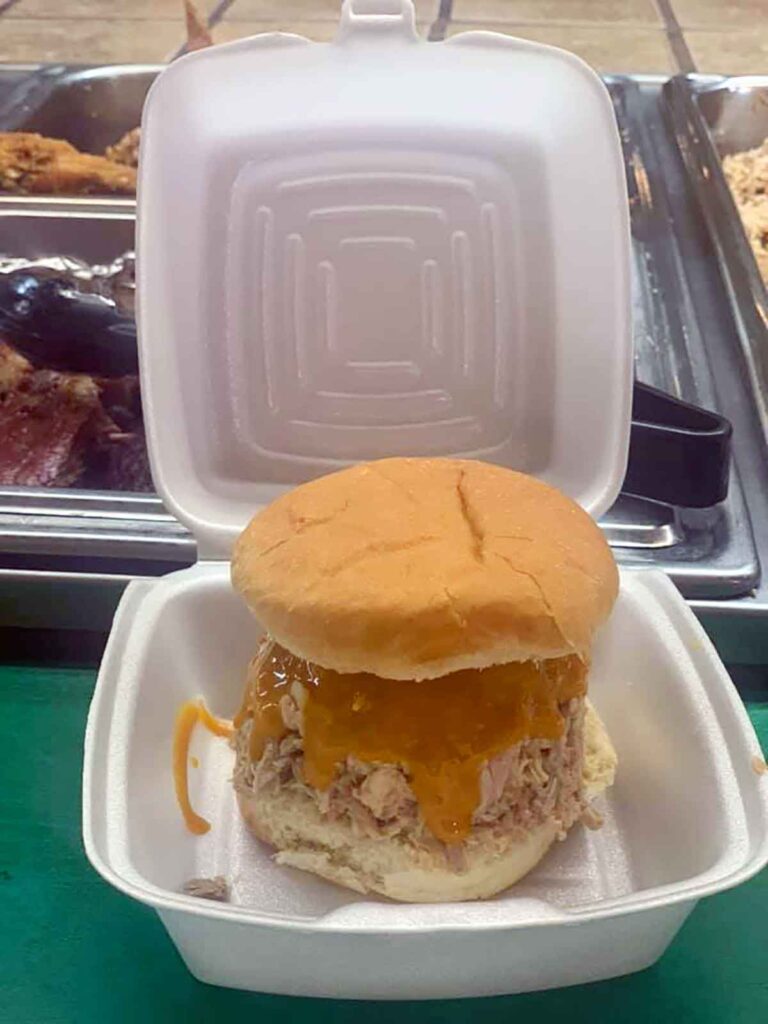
{"x": 679, "y": 453}
{"x": 51, "y": 323}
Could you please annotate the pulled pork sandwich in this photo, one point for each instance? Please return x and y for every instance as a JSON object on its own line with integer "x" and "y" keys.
{"x": 415, "y": 722}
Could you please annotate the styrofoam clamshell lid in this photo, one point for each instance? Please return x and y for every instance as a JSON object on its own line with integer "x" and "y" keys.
{"x": 379, "y": 246}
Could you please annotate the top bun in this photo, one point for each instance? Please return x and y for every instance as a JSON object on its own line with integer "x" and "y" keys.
{"x": 414, "y": 568}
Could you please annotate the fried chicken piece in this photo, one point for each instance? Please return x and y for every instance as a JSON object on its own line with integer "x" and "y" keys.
{"x": 126, "y": 150}
{"x": 13, "y": 367}
{"x": 31, "y": 163}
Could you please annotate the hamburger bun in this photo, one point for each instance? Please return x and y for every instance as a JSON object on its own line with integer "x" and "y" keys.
{"x": 415, "y": 568}
{"x": 289, "y": 820}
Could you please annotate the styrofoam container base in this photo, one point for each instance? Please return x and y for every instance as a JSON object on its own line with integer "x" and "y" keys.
{"x": 687, "y": 817}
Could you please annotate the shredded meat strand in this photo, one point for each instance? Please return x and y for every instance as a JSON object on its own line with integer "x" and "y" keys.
{"x": 215, "y": 888}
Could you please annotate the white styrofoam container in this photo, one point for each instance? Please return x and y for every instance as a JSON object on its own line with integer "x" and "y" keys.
{"x": 379, "y": 246}
{"x": 687, "y": 817}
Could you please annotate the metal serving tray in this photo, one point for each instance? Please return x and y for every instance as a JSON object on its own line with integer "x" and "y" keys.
{"x": 90, "y": 107}
{"x": 712, "y": 117}
{"x": 104, "y": 524}
{"x": 93, "y": 230}
{"x": 709, "y": 554}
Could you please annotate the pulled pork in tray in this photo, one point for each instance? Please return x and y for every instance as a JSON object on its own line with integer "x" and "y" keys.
{"x": 747, "y": 176}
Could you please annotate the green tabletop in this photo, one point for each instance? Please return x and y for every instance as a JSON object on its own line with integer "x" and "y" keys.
{"x": 74, "y": 950}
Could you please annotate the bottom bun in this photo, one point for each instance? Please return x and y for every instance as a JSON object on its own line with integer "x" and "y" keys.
{"x": 290, "y": 821}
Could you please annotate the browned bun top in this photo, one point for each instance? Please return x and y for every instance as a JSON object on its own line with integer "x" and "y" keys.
{"x": 414, "y": 568}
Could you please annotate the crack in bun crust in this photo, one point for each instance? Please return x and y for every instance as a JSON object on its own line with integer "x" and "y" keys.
{"x": 415, "y": 568}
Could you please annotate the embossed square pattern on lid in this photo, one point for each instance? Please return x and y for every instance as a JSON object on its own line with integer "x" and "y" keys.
{"x": 380, "y": 246}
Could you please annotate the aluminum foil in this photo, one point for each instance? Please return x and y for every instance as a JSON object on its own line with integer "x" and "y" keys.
{"x": 115, "y": 281}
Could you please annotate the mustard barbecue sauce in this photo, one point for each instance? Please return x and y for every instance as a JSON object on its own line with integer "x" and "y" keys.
{"x": 440, "y": 731}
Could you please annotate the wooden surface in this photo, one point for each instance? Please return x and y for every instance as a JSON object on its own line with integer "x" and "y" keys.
{"x": 729, "y": 36}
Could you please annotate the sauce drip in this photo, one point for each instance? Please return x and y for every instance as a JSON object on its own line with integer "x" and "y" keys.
{"x": 440, "y": 731}
{"x": 187, "y": 717}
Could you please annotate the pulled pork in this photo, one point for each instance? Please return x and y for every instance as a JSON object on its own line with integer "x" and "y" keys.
{"x": 747, "y": 176}
{"x": 530, "y": 783}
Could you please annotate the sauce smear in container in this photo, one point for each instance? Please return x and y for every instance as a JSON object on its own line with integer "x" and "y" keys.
{"x": 187, "y": 717}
